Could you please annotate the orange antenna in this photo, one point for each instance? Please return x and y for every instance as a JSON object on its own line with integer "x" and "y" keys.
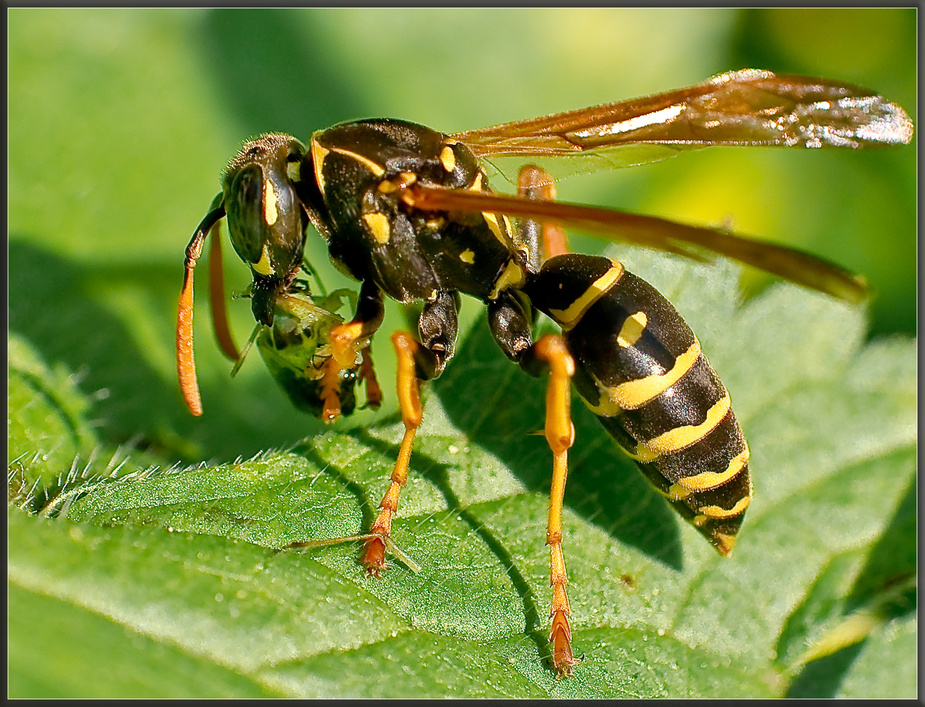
{"x": 186, "y": 363}
{"x": 217, "y": 295}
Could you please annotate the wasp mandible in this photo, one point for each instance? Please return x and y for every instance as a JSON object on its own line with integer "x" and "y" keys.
{"x": 408, "y": 212}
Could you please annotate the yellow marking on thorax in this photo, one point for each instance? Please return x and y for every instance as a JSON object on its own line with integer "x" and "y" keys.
{"x": 708, "y": 479}
{"x": 490, "y": 219}
{"x": 390, "y": 186}
{"x": 467, "y": 256}
{"x": 448, "y": 158}
{"x": 569, "y": 317}
{"x": 318, "y": 155}
{"x": 634, "y": 394}
{"x": 263, "y": 266}
{"x": 270, "y": 214}
{"x": 632, "y": 329}
{"x": 686, "y": 435}
{"x": 493, "y": 225}
{"x": 376, "y": 169}
{"x": 379, "y": 226}
{"x": 511, "y": 276}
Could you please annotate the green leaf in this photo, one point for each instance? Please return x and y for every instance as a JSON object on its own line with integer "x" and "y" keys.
{"x": 193, "y": 561}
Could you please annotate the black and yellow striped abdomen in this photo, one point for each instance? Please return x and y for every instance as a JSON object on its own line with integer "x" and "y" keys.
{"x": 640, "y": 369}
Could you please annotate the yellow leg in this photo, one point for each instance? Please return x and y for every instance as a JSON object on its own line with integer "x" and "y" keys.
{"x": 411, "y": 415}
{"x": 344, "y": 340}
{"x": 330, "y": 390}
{"x": 560, "y": 433}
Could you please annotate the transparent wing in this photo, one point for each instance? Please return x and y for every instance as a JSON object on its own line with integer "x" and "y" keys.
{"x": 746, "y": 108}
{"x": 652, "y": 232}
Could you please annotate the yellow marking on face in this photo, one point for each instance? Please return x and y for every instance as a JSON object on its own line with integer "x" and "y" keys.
{"x": 476, "y": 183}
{"x": 318, "y": 155}
{"x": 263, "y": 266}
{"x": 467, "y": 256}
{"x": 711, "y": 479}
{"x": 376, "y": 169}
{"x": 716, "y": 512}
{"x": 270, "y": 214}
{"x": 686, "y": 435}
{"x": 448, "y": 158}
{"x": 511, "y": 276}
{"x": 632, "y": 329}
{"x": 379, "y": 227}
{"x": 569, "y": 317}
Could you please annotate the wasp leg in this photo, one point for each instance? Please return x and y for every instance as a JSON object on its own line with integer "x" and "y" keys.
{"x": 367, "y": 374}
{"x": 536, "y": 183}
{"x": 417, "y": 362}
{"x": 345, "y": 339}
{"x": 510, "y": 326}
{"x": 560, "y": 434}
{"x": 410, "y": 403}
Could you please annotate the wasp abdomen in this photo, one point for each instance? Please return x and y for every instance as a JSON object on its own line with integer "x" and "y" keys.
{"x": 640, "y": 370}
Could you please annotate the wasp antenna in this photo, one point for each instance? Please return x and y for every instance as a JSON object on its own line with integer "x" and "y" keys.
{"x": 186, "y": 363}
{"x": 217, "y": 296}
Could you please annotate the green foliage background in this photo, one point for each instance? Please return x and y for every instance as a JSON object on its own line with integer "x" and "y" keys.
{"x": 168, "y": 582}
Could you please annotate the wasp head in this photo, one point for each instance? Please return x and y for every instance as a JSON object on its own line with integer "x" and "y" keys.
{"x": 266, "y": 219}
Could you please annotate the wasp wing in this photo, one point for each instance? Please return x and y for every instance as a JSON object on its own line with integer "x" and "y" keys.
{"x": 652, "y": 232}
{"x": 745, "y": 108}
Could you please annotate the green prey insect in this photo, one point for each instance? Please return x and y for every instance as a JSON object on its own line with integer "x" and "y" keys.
{"x": 408, "y": 212}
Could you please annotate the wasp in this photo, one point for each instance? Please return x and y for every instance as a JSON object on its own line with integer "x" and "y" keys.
{"x": 408, "y": 212}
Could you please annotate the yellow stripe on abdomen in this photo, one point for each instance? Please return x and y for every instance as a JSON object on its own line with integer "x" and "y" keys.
{"x": 707, "y": 480}
{"x": 686, "y": 435}
{"x": 632, "y": 395}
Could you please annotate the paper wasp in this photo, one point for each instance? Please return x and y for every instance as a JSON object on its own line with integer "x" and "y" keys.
{"x": 407, "y": 211}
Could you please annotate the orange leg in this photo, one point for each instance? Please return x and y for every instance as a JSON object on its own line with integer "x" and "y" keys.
{"x": 536, "y": 183}
{"x": 348, "y": 340}
{"x": 330, "y": 390}
{"x": 409, "y": 402}
{"x": 560, "y": 433}
{"x": 368, "y": 375}
{"x": 344, "y": 358}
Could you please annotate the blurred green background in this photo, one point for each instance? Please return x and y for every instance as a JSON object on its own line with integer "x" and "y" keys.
{"x": 120, "y": 122}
